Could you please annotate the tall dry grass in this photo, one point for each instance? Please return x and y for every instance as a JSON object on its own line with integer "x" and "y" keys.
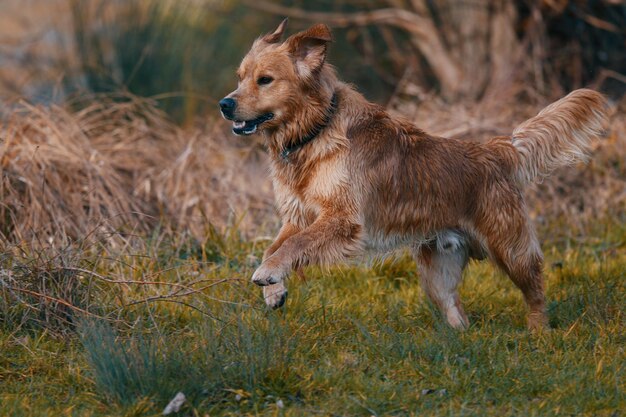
{"x": 117, "y": 164}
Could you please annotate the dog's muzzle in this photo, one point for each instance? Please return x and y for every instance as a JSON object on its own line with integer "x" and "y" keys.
{"x": 248, "y": 127}
{"x": 241, "y": 127}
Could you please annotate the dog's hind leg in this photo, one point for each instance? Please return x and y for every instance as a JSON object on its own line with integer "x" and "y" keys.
{"x": 523, "y": 264}
{"x": 514, "y": 247}
{"x": 441, "y": 265}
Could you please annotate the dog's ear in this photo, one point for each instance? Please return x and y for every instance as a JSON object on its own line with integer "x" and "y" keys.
{"x": 309, "y": 48}
{"x": 277, "y": 35}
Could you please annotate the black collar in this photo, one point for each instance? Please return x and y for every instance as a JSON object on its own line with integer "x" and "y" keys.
{"x": 330, "y": 112}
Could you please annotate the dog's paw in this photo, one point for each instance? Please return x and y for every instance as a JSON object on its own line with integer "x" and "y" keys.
{"x": 275, "y": 295}
{"x": 537, "y": 321}
{"x": 456, "y": 317}
{"x": 265, "y": 275}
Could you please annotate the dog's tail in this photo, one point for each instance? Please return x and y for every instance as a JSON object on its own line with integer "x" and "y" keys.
{"x": 560, "y": 134}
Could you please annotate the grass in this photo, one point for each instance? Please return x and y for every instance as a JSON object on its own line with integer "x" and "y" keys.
{"x": 121, "y": 284}
{"x": 351, "y": 341}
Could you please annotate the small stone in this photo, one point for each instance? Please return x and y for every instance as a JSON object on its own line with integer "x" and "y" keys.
{"x": 238, "y": 397}
{"x": 280, "y": 403}
{"x": 175, "y": 405}
{"x": 440, "y": 392}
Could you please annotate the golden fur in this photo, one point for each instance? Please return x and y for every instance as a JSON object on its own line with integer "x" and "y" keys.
{"x": 371, "y": 181}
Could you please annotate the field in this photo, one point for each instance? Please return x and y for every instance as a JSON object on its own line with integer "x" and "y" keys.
{"x": 353, "y": 340}
{"x": 131, "y": 219}
{"x": 123, "y": 283}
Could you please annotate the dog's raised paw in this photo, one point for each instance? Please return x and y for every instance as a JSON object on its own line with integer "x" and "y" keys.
{"x": 264, "y": 276}
{"x": 275, "y": 295}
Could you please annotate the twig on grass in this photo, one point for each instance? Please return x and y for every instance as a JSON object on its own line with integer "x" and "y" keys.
{"x": 57, "y": 300}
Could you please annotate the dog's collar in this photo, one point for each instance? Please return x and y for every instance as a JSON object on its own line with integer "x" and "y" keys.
{"x": 330, "y": 112}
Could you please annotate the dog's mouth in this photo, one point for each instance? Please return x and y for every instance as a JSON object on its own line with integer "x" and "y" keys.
{"x": 248, "y": 127}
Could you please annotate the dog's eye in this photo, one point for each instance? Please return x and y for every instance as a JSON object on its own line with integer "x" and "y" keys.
{"x": 264, "y": 80}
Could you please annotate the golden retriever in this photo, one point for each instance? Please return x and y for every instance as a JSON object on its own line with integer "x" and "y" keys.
{"x": 349, "y": 177}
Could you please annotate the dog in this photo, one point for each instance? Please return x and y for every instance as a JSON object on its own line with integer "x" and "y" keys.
{"x": 348, "y": 177}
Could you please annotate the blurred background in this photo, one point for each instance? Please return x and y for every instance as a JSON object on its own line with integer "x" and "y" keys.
{"x": 108, "y": 107}
{"x": 185, "y": 52}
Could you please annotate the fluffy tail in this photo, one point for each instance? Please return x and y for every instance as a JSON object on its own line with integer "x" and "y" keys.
{"x": 560, "y": 134}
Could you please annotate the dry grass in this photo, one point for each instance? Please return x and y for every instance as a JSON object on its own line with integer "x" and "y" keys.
{"x": 109, "y": 164}
{"x": 119, "y": 164}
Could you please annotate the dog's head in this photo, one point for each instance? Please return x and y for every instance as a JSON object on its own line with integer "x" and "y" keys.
{"x": 274, "y": 77}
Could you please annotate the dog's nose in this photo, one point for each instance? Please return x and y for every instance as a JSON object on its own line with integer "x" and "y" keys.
{"x": 227, "y": 105}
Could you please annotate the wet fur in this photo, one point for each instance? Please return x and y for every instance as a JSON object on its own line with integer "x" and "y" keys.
{"x": 372, "y": 181}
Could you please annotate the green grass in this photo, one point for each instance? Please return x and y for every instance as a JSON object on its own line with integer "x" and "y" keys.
{"x": 351, "y": 341}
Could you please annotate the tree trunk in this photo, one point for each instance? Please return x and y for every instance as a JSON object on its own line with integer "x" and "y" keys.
{"x": 467, "y": 45}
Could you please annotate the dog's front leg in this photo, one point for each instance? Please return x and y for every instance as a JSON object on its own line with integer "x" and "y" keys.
{"x": 286, "y": 231}
{"x": 275, "y": 295}
{"x": 330, "y": 238}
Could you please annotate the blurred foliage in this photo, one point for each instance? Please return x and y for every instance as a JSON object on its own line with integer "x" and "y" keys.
{"x": 187, "y": 52}
{"x": 153, "y": 48}
{"x": 583, "y": 42}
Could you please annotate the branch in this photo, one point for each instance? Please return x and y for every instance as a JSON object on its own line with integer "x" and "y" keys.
{"x": 399, "y": 18}
{"x": 424, "y": 34}
{"x": 54, "y": 299}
